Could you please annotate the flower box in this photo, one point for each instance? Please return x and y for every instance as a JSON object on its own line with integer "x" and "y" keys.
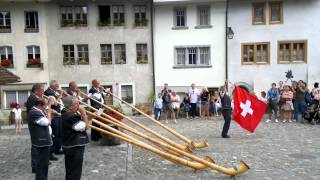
{"x": 34, "y": 63}
{"x": 139, "y": 23}
{"x": 7, "y": 63}
{"x": 104, "y": 23}
{"x": 83, "y": 62}
{"x": 5, "y": 30}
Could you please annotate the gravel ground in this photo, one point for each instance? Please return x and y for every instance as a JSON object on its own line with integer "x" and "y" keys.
{"x": 275, "y": 151}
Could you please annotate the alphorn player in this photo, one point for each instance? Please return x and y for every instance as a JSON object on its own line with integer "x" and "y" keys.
{"x": 96, "y": 92}
{"x": 39, "y": 128}
{"x": 37, "y": 92}
{"x": 74, "y": 136}
{"x": 53, "y": 91}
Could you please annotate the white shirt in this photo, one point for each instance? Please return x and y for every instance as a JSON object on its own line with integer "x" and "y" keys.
{"x": 17, "y": 113}
{"x": 194, "y": 94}
{"x": 316, "y": 93}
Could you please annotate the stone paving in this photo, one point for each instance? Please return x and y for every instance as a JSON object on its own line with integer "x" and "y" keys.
{"x": 276, "y": 151}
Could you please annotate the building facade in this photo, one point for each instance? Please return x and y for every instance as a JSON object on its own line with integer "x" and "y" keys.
{"x": 77, "y": 41}
{"x": 272, "y": 37}
{"x": 189, "y": 44}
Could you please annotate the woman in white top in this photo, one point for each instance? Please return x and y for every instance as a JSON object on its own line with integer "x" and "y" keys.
{"x": 17, "y": 118}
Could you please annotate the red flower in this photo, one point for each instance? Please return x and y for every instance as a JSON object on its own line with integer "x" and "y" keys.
{"x": 13, "y": 104}
{"x": 35, "y": 61}
{"x": 5, "y": 62}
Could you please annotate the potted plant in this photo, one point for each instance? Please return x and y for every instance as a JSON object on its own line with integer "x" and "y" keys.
{"x": 67, "y": 61}
{"x": 66, "y": 22}
{"x": 108, "y": 140}
{"x": 118, "y": 23}
{"x": 6, "y": 63}
{"x": 80, "y": 22}
{"x": 104, "y": 23}
{"x": 83, "y": 61}
{"x": 113, "y": 114}
{"x": 34, "y": 63}
{"x": 138, "y": 106}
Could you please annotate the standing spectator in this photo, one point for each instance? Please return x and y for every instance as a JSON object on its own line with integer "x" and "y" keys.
{"x": 17, "y": 118}
{"x": 175, "y": 105}
{"x": 287, "y": 106}
{"x": 167, "y": 105}
{"x": 165, "y": 89}
{"x": 194, "y": 96}
{"x": 316, "y": 93}
{"x": 204, "y": 98}
{"x": 273, "y": 99}
{"x": 300, "y": 103}
{"x": 281, "y": 86}
{"x": 264, "y": 97}
{"x": 158, "y": 107}
{"x": 215, "y": 103}
{"x": 186, "y": 105}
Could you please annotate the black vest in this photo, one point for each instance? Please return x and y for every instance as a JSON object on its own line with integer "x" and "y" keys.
{"x": 70, "y": 137}
{"x": 40, "y": 136}
{"x": 94, "y": 103}
{"x": 50, "y": 92}
{"x": 225, "y": 102}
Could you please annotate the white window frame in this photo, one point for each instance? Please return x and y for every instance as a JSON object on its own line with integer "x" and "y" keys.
{"x": 17, "y": 98}
{"x": 33, "y": 51}
{"x": 208, "y": 8}
{"x": 25, "y": 20}
{"x": 4, "y": 19}
{"x": 112, "y": 53}
{"x": 186, "y": 64}
{"x": 133, "y": 91}
{"x": 175, "y": 17}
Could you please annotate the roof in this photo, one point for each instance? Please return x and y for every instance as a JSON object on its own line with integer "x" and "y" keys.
{"x": 7, "y": 77}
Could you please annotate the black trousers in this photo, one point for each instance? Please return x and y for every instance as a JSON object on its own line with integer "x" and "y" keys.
{"x": 193, "y": 109}
{"x": 95, "y": 135}
{"x": 227, "y": 120}
{"x": 41, "y": 158}
{"x": 73, "y": 159}
{"x": 56, "y": 134}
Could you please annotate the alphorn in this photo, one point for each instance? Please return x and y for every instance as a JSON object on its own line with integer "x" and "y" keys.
{"x": 188, "y": 147}
{"x": 202, "y": 144}
{"x": 199, "y": 164}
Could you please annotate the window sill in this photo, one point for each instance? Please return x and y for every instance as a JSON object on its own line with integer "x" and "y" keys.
{"x": 189, "y": 67}
{"x": 293, "y": 62}
{"x": 31, "y": 30}
{"x": 203, "y": 27}
{"x": 255, "y": 63}
{"x": 180, "y": 28}
{"x": 32, "y": 66}
{"x": 257, "y": 24}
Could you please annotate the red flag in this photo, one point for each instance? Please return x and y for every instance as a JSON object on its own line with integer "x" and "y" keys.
{"x": 248, "y": 110}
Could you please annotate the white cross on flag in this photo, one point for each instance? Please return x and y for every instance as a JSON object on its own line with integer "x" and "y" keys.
{"x": 248, "y": 110}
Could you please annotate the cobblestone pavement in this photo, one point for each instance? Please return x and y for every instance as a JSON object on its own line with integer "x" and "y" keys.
{"x": 276, "y": 151}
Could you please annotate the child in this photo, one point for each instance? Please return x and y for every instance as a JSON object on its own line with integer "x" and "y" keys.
{"x": 158, "y": 107}
{"x": 287, "y": 106}
{"x": 17, "y": 118}
{"x": 186, "y": 105}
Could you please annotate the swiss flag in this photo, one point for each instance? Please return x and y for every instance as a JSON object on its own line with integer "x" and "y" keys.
{"x": 248, "y": 110}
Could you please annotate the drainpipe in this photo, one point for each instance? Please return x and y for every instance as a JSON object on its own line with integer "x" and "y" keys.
{"x": 152, "y": 45}
{"x": 226, "y": 38}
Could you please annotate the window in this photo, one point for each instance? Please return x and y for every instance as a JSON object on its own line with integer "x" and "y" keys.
{"x": 120, "y": 53}
{"x": 258, "y": 13}
{"x": 16, "y": 96}
{"x": 106, "y": 53}
{"x": 127, "y": 93}
{"x": 83, "y": 54}
{"x": 292, "y": 52}
{"x": 104, "y": 16}
{"x": 204, "y": 16}
{"x": 73, "y": 16}
{"x": 142, "y": 54}
{"x": 31, "y": 22}
{"x": 180, "y": 17}
{"x": 5, "y": 22}
{"x": 275, "y": 12}
{"x": 34, "y": 59}
{"x": 118, "y": 15}
{"x": 6, "y": 56}
{"x": 68, "y": 55}
{"x": 192, "y": 56}
{"x": 255, "y": 53}
{"x": 140, "y": 16}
